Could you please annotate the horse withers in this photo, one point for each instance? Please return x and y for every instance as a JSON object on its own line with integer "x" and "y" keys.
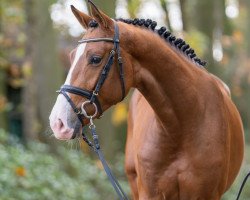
{"x": 185, "y": 135}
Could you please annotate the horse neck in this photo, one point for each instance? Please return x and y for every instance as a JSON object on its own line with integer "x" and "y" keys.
{"x": 166, "y": 79}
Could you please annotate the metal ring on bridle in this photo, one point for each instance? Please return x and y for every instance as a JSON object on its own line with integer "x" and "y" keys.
{"x": 84, "y": 111}
{"x": 78, "y": 112}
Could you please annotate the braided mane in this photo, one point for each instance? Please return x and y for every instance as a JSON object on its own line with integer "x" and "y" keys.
{"x": 178, "y": 43}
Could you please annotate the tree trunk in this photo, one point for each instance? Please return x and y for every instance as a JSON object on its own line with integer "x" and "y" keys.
{"x": 3, "y": 122}
{"x": 205, "y": 24}
{"x": 248, "y": 29}
{"x": 47, "y": 70}
{"x": 39, "y": 93}
{"x": 165, "y": 9}
{"x": 247, "y": 81}
{"x": 107, "y": 7}
{"x": 1, "y": 15}
{"x": 132, "y": 7}
{"x": 184, "y": 14}
{"x": 210, "y": 22}
{"x": 30, "y": 119}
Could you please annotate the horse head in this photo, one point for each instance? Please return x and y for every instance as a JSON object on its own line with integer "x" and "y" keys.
{"x": 96, "y": 79}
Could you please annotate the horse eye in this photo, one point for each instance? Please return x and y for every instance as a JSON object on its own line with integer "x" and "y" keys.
{"x": 95, "y": 60}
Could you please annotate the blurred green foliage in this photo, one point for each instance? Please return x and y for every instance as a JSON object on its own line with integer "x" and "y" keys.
{"x": 33, "y": 172}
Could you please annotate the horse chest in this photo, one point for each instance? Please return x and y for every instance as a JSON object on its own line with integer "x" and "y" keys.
{"x": 148, "y": 158}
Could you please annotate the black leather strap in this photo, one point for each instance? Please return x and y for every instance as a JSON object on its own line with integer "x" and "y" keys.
{"x": 76, "y": 91}
{"x": 76, "y": 110}
{"x": 242, "y": 185}
{"x": 120, "y": 62}
{"x": 111, "y": 176}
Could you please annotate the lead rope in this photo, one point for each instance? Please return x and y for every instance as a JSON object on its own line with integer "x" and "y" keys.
{"x": 242, "y": 185}
{"x": 97, "y": 149}
{"x": 95, "y": 146}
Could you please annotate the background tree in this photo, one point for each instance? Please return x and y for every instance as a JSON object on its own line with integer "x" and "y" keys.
{"x": 205, "y": 23}
{"x": 2, "y": 74}
{"x": 184, "y": 14}
{"x": 41, "y": 62}
{"x": 108, "y": 7}
{"x": 164, "y": 6}
{"x": 247, "y": 79}
{"x": 133, "y": 7}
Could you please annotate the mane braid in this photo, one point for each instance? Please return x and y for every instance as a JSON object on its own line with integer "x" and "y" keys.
{"x": 178, "y": 43}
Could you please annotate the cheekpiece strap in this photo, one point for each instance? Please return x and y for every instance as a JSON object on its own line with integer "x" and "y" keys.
{"x": 120, "y": 62}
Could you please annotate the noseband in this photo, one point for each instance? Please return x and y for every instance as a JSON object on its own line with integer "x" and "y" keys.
{"x": 92, "y": 96}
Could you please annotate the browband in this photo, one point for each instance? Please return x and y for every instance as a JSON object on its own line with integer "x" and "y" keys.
{"x": 97, "y": 40}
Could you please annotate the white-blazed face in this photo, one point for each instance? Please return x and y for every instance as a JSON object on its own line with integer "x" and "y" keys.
{"x": 63, "y": 121}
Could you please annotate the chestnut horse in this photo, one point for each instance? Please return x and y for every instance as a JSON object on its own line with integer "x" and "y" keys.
{"x": 185, "y": 136}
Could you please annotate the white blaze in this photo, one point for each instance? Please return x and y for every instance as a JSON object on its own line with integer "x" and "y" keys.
{"x": 80, "y": 50}
{"x": 62, "y": 107}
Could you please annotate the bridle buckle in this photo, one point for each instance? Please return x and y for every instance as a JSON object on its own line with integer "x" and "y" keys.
{"x": 119, "y": 60}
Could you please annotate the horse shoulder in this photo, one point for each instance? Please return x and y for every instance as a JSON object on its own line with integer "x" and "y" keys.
{"x": 223, "y": 86}
{"x": 140, "y": 113}
{"x": 235, "y": 133}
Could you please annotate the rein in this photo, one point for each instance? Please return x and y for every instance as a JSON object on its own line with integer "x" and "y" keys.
{"x": 242, "y": 185}
{"x": 92, "y": 97}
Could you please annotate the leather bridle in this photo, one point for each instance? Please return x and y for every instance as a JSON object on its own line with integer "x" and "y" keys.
{"x": 92, "y": 97}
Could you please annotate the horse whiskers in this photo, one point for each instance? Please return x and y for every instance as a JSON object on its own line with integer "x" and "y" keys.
{"x": 74, "y": 144}
{"x": 52, "y": 135}
{"x": 49, "y": 133}
{"x": 70, "y": 144}
{"x": 78, "y": 142}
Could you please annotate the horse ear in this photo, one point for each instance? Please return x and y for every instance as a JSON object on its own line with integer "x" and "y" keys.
{"x": 81, "y": 17}
{"x": 99, "y": 16}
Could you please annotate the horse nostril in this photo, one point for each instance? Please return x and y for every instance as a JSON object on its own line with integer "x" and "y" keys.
{"x": 59, "y": 124}
{"x": 61, "y": 130}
